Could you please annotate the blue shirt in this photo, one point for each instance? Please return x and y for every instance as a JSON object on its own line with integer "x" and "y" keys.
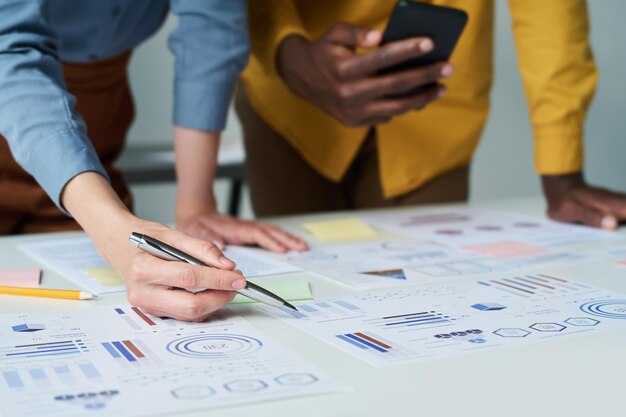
{"x": 37, "y": 117}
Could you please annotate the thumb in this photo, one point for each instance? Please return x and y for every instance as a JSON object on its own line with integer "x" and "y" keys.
{"x": 351, "y": 36}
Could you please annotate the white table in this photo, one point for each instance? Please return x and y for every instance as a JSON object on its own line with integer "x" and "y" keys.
{"x": 579, "y": 376}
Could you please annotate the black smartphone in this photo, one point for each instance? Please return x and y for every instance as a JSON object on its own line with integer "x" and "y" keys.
{"x": 411, "y": 19}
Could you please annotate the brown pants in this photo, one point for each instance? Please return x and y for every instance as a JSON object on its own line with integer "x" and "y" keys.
{"x": 282, "y": 182}
{"x": 105, "y": 103}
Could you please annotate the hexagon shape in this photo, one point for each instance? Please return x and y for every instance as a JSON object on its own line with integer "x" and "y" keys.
{"x": 581, "y": 321}
{"x": 193, "y": 392}
{"x": 511, "y": 332}
{"x": 548, "y": 327}
{"x": 246, "y": 385}
{"x": 296, "y": 379}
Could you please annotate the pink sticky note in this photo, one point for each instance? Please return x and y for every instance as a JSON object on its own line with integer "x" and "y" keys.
{"x": 23, "y": 277}
{"x": 507, "y": 249}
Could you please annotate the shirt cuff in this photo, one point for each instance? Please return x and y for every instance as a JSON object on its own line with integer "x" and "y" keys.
{"x": 60, "y": 157}
{"x": 202, "y": 106}
{"x": 558, "y": 149}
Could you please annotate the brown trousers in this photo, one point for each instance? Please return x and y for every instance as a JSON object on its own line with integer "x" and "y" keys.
{"x": 282, "y": 182}
{"x": 105, "y": 103}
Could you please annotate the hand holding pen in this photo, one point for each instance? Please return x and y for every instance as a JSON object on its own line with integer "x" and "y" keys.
{"x": 167, "y": 252}
{"x": 158, "y": 286}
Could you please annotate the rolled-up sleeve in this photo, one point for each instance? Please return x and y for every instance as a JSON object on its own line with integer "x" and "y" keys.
{"x": 559, "y": 77}
{"x": 46, "y": 136}
{"x": 211, "y": 47}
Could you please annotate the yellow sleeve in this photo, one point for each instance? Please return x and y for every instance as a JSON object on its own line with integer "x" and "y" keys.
{"x": 271, "y": 21}
{"x": 559, "y": 74}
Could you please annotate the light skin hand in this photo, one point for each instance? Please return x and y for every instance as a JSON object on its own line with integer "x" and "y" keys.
{"x": 330, "y": 74}
{"x": 155, "y": 285}
{"x": 571, "y": 199}
{"x": 196, "y": 212}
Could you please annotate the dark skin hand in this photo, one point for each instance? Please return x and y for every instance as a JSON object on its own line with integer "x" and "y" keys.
{"x": 571, "y": 199}
{"x": 330, "y": 74}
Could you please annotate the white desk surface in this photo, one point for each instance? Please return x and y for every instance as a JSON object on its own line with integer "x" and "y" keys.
{"x": 579, "y": 376}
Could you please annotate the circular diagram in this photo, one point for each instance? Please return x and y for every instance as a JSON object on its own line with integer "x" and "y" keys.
{"x": 611, "y": 309}
{"x": 207, "y": 346}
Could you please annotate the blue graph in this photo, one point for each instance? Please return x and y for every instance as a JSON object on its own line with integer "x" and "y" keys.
{"x": 611, "y": 309}
{"x": 218, "y": 346}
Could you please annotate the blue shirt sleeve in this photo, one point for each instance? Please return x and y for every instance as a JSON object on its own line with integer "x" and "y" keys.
{"x": 46, "y": 136}
{"x": 211, "y": 47}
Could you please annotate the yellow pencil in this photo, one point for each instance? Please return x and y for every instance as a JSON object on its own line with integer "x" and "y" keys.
{"x": 47, "y": 293}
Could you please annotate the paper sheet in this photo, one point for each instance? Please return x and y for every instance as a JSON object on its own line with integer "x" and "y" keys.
{"x": 117, "y": 361}
{"x": 385, "y": 263}
{"x": 20, "y": 277}
{"x": 464, "y": 227}
{"x": 392, "y": 327}
{"x": 78, "y": 260}
{"x": 288, "y": 289}
{"x": 341, "y": 229}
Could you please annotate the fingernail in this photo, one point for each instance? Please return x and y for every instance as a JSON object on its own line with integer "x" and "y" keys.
{"x": 442, "y": 91}
{"x": 225, "y": 261}
{"x": 238, "y": 284}
{"x": 447, "y": 70}
{"x": 609, "y": 222}
{"x": 426, "y": 45}
{"x": 218, "y": 244}
{"x": 372, "y": 36}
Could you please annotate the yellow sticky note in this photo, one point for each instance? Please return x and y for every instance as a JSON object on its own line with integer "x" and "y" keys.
{"x": 287, "y": 289}
{"x": 106, "y": 276}
{"x": 341, "y": 229}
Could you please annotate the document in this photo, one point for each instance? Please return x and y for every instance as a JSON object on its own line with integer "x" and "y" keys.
{"x": 397, "y": 326}
{"x": 386, "y": 263}
{"x": 118, "y": 361}
{"x": 467, "y": 228}
{"x": 78, "y": 260}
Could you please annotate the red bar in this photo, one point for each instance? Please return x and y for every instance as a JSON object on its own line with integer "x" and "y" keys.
{"x": 511, "y": 286}
{"x": 535, "y": 283}
{"x": 133, "y": 349}
{"x": 551, "y": 277}
{"x": 371, "y": 339}
{"x": 144, "y": 317}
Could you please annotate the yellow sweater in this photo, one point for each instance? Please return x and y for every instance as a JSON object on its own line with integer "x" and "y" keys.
{"x": 555, "y": 62}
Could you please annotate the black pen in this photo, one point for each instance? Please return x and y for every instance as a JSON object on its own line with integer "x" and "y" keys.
{"x": 164, "y": 251}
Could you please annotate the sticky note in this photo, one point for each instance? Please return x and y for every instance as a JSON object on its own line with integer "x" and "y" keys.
{"x": 288, "y": 289}
{"x": 106, "y": 276}
{"x": 507, "y": 249}
{"x": 20, "y": 277}
{"x": 341, "y": 229}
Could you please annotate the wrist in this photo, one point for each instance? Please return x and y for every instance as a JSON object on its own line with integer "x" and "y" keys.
{"x": 557, "y": 184}
{"x": 289, "y": 51}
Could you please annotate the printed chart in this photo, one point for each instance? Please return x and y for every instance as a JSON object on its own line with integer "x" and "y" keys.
{"x": 117, "y": 360}
{"x": 384, "y": 263}
{"x": 396, "y": 326}
{"x": 79, "y": 261}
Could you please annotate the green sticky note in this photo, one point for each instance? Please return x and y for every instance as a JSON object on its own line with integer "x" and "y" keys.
{"x": 106, "y": 276}
{"x": 288, "y": 289}
{"x": 341, "y": 229}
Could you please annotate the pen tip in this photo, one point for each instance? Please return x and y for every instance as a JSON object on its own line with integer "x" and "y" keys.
{"x": 290, "y": 306}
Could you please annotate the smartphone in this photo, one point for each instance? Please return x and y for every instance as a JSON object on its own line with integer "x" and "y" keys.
{"x": 411, "y": 19}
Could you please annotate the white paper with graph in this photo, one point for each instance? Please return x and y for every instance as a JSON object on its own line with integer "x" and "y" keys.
{"x": 397, "y": 326}
{"x": 118, "y": 361}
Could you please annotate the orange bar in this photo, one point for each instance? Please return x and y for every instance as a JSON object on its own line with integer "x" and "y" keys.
{"x": 371, "y": 339}
{"x": 133, "y": 349}
{"x": 144, "y": 317}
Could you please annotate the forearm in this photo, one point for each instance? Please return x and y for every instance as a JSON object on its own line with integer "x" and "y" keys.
{"x": 93, "y": 203}
{"x": 196, "y": 163}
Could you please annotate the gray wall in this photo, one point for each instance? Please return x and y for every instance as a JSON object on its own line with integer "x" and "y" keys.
{"x": 503, "y": 165}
